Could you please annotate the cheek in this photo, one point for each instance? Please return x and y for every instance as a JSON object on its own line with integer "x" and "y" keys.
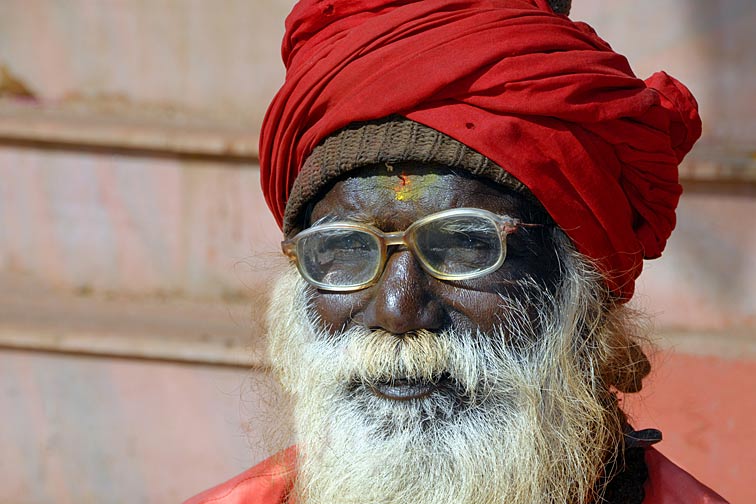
{"x": 336, "y": 311}
{"x": 471, "y": 310}
{"x": 487, "y": 302}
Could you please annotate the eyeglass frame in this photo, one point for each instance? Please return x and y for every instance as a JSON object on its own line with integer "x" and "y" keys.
{"x": 505, "y": 225}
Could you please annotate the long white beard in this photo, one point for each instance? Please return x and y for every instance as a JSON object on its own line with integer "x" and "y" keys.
{"x": 527, "y": 419}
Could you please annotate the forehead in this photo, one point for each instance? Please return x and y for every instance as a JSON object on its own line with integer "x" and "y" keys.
{"x": 392, "y": 197}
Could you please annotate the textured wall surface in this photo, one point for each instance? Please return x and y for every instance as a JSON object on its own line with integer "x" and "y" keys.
{"x": 132, "y": 224}
{"x": 92, "y": 430}
{"x": 136, "y": 252}
{"x": 212, "y": 59}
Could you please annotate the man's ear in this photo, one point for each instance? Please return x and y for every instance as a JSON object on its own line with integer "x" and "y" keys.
{"x": 627, "y": 369}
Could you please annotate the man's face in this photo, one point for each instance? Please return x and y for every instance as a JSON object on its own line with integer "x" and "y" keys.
{"x": 406, "y": 298}
{"x": 416, "y": 389}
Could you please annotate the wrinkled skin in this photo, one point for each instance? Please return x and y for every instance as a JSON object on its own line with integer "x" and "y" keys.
{"x": 406, "y": 298}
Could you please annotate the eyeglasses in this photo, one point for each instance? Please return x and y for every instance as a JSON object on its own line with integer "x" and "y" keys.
{"x": 456, "y": 244}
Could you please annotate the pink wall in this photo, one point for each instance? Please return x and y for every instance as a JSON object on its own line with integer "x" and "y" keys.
{"x": 129, "y": 198}
{"x": 704, "y": 406}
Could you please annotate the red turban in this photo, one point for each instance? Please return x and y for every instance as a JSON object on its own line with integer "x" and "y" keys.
{"x": 540, "y": 95}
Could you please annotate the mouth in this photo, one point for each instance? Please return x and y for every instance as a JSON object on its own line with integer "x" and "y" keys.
{"x": 403, "y": 389}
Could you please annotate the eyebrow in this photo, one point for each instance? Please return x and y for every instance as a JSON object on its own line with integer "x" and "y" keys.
{"x": 358, "y": 217}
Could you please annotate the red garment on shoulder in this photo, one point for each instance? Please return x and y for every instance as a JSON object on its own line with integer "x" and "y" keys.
{"x": 669, "y": 484}
{"x": 270, "y": 482}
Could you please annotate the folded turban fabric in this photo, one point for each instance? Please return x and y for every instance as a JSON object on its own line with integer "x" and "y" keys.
{"x": 540, "y": 95}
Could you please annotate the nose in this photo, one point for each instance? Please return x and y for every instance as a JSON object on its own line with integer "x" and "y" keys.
{"x": 401, "y": 301}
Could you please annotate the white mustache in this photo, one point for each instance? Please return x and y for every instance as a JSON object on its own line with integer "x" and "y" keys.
{"x": 474, "y": 367}
{"x": 377, "y": 356}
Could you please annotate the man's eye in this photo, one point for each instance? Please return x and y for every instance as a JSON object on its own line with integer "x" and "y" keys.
{"x": 350, "y": 242}
{"x": 469, "y": 241}
{"x": 460, "y": 247}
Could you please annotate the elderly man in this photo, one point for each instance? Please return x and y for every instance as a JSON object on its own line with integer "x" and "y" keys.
{"x": 467, "y": 191}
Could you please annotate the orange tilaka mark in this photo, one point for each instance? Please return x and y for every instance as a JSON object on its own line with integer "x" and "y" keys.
{"x": 402, "y": 190}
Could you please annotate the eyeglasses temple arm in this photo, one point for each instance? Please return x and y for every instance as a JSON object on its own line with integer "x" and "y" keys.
{"x": 288, "y": 247}
{"x": 511, "y": 227}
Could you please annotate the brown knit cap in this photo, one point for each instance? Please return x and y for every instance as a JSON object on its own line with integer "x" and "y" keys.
{"x": 390, "y": 140}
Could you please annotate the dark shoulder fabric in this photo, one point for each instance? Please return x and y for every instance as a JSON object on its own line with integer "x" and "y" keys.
{"x": 626, "y": 487}
{"x": 628, "y": 468}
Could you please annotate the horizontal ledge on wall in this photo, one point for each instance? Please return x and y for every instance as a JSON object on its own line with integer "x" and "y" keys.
{"x": 143, "y": 347}
{"x": 142, "y": 129}
{"x": 39, "y": 317}
{"x": 98, "y": 343}
{"x": 737, "y": 343}
{"x": 712, "y": 163}
{"x": 136, "y": 130}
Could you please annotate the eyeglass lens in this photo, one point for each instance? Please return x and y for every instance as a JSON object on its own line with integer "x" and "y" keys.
{"x": 458, "y": 246}
{"x": 452, "y": 246}
{"x": 340, "y": 257}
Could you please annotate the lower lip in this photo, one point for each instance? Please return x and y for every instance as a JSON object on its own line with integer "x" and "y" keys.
{"x": 403, "y": 391}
